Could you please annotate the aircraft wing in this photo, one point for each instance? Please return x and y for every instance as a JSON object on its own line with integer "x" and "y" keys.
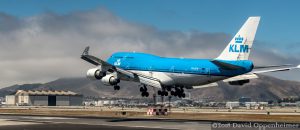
{"x": 128, "y": 74}
{"x": 92, "y": 59}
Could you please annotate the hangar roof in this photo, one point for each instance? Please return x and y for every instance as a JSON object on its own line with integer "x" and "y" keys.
{"x": 46, "y": 92}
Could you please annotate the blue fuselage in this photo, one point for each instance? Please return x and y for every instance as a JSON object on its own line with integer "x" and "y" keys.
{"x": 148, "y": 62}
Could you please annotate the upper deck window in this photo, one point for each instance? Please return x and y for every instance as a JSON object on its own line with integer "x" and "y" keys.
{"x": 125, "y": 57}
{"x": 129, "y": 57}
{"x": 118, "y": 57}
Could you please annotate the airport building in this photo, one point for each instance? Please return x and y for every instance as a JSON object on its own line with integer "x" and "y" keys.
{"x": 232, "y": 105}
{"x": 44, "y": 98}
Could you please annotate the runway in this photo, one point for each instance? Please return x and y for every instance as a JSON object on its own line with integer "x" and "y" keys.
{"x": 10, "y": 122}
{"x": 19, "y": 122}
{"x": 69, "y": 126}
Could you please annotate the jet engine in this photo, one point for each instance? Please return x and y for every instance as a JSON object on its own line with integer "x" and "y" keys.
{"x": 95, "y": 73}
{"x": 239, "y": 82}
{"x": 110, "y": 80}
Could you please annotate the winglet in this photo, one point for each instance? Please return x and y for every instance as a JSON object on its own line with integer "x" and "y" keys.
{"x": 86, "y": 51}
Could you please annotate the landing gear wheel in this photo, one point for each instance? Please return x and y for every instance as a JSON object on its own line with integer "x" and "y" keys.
{"x": 183, "y": 95}
{"x": 177, "y": 90}
{"x": 142, "y": 89}
{"x": 166, "y": 93}
{"x": 168, "y": 88}
{"x": 146, "y": 94}
{"x": 159, "y": 92}
{"x": 173, "y": 93}
{"x": 116, "y": 87}
{"x": 142, "y": 94}
{"x": 179, "y": 95}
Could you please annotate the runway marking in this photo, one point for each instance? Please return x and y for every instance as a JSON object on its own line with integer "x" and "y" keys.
{"x": 46, "y": 118}
{"x": 37, "y": 120}
{"x": 5, "y": 122}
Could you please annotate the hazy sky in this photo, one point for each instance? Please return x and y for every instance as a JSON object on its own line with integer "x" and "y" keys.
{"x": 41, "y": 40}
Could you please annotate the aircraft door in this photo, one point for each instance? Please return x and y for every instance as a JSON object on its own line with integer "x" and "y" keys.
{"x": 172, "y": 69}
{"x": 206, "y": 71}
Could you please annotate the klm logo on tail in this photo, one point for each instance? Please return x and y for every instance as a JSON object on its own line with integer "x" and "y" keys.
{"x": 238, "y": 46}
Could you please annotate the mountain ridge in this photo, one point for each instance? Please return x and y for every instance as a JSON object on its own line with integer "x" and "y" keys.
{"x": 261, "y": 89}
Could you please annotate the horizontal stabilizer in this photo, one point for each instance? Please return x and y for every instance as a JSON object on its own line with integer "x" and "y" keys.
{"x": 271, "y": 66}
{"x": 275, "y": 69}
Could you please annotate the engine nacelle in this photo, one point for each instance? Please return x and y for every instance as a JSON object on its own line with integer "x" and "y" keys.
{"x": 240, "y": 82}
{"x": 95, "y": 74}
{"x": 110, "y": 80}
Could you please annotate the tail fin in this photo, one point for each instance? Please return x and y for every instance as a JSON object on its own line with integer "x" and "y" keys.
{"x": 239, "y": 47}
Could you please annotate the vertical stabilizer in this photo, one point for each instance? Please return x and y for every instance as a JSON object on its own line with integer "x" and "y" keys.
{"x": 240, "y": 46}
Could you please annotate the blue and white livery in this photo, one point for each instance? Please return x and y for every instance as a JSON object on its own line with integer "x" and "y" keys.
{"x": 173, "y": 75}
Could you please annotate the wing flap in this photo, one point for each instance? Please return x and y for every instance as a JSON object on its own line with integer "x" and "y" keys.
{"x": 149, "y": 82}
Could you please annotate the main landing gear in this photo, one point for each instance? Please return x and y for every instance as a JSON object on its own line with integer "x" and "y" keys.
{"x": 178, "y": 92}
{"x": 162, "y": 93}
{"x": 143, "y": 91}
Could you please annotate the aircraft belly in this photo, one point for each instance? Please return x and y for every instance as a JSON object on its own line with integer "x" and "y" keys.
{"x": 163, "y": 77}
{"x": 194, "y": 80}
{"x": 170, "y": 79}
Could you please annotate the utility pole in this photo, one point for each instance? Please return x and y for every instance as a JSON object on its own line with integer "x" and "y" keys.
{"x": 154, "y": 96}
{"x": 154, "y": 99}
{"x": 170, "y": 103}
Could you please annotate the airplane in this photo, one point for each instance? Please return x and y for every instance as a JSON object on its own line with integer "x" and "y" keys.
{"x": 172, "y": 75}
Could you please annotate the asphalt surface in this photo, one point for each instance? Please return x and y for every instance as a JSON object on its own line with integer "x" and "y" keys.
{"x": 12, "y": 122}
{"x": 50, "y": 126}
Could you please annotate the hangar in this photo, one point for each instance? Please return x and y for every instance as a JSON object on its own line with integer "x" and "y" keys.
{"x": 44, "y": 98}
